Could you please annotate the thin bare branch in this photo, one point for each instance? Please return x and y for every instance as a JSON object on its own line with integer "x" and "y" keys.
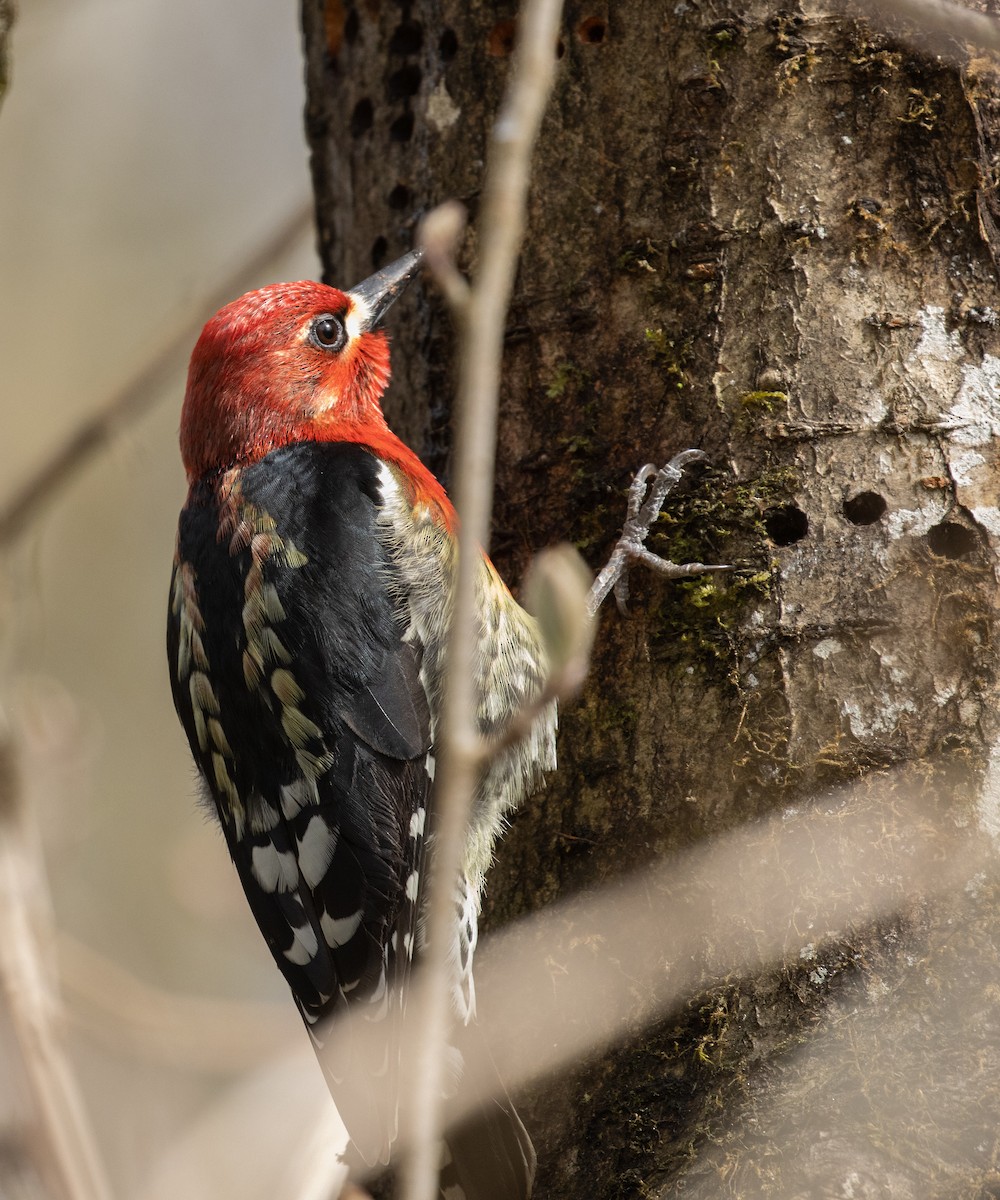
{"x": 481, "y": 337}
{"x": 139, "y": 394}
{"x": 68, "y": 1158}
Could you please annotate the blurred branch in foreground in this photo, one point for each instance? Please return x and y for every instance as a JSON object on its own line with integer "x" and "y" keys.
{"x": 603, "y": 965}
{"x": 895, "y": 1091}
{"x": 583, "y": 973}
{"x": 600, "y": 967}
{"x": 195, "y": 1033}
{"x": 139, "y": 393}
{"x": 272, "y": 1135}
{"x": 66, "y": 1154}
{"x": 936, "y": 24}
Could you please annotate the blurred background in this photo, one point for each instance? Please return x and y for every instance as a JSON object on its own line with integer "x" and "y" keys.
{"x": 147, "y": 152}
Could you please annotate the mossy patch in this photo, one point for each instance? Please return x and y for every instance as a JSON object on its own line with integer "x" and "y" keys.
{"x": 567, "y": 377}
{"x": 763, "y": 401}
{"x": 715, "y": 522}
{"x": 922, "y": 108}
{"x": 669, "y": 356}
{"x": 640, "y": 256}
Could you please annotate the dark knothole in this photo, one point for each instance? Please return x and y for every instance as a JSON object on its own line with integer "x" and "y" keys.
{"x": 401, "y": 130}
{"x": 407, "y": 38}
{"x": 405, "y": 82}
{"x": 448, "y": 45}
{"x": 400, "y": 197}
{"x": 865, "y": 508}
{"x": 379, "y": 247}
{"x": 951, "y": 540}
{"x": 593, "y": 31}
{"x": 501, "y": 40}
{"x": 362, "y": 117}
{"x": 786, "y": 525}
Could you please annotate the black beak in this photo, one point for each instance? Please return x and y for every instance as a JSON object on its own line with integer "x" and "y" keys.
{"x": 375, "y": 295}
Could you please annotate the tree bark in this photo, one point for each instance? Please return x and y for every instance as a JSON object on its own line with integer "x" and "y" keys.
{"x": 6, "y": 21}
{"x": 768, "y": 233}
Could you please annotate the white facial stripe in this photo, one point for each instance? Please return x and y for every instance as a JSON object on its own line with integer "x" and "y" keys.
{"x": 357, "y": 317}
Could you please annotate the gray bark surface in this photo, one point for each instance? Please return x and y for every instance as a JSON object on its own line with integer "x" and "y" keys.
{"x": 6, "y": 21}
{"x": 768, "y": 233}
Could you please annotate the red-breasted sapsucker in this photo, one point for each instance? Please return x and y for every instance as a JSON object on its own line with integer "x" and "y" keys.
{"x": 308, "y": 615}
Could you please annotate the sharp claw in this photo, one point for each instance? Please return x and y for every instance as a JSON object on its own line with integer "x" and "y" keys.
{"x": 644, "y": 505}
{"x": 637, "y": 490}
{"x": 687, "y": 456}
{"x": 621, "y": 592}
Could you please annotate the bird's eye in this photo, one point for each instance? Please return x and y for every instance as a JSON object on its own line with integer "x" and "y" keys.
{"x": 328, "y": 332}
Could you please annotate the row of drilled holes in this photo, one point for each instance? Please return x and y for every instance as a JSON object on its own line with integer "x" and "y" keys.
{"x": 789, "y": 524}
{"x": 408, "y": 37}
{"x": 785, "y": 525}
{"x": 592, "y": 32}
{"x": 363, "y": 116}
{"x": 404, "y": 83}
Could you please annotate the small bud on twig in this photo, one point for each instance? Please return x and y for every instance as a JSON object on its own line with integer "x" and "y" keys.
{"x": 438, "y": 236}
{"x": 556, "y": 591}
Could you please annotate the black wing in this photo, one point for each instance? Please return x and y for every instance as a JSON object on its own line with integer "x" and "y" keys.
{"x": 308, "y": 719}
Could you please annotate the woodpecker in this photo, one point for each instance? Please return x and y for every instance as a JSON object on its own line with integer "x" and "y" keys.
{"x": 309, "y": 606}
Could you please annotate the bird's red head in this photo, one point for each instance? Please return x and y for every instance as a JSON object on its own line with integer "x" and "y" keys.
{"x": 288, "y": 363}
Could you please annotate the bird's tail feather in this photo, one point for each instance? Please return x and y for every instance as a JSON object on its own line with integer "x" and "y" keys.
{"x": 489, "y": 1156}
{"x": 487, "y": 1153}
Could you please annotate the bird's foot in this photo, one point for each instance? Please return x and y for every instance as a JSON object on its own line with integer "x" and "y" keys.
{"x": 644, "y": 503}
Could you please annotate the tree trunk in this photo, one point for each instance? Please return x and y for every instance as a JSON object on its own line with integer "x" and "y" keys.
{"x": 6, "y": 21}
{"x": 768, "y": 233}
